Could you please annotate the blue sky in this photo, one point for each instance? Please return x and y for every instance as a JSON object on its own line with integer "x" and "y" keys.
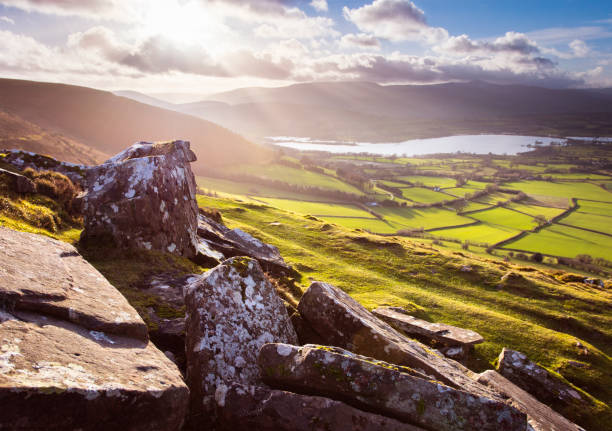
{"x": 210, "y": 45}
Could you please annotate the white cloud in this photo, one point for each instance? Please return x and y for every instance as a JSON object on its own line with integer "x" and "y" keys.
{"x": 567, "y": 34}
{"x": 94, "y": 9}
{"x": 360, "y": 40}
{"x": 389, "y": 19}
{"x": 579, "y": 48}
{"x": 319, "y": 5}
{"x": 510, "y": 43}
{"x": 7, "y": 20}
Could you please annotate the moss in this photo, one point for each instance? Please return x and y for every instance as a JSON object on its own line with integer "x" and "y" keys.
{"x": 421, "y": 407}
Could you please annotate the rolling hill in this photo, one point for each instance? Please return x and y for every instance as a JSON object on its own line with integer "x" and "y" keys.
{"x": 108, "y": 123}
{"x": 369, "y": 111}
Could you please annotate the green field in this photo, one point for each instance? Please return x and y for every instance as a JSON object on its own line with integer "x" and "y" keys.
{"x": 422, "y": 195}
{"x": 535, "y": 210}
{"x": 564, "y": 241}
{"x": 373, "y": 225}
{"x": 392, "y": 183}
{"x": 461, "y": 191}
{"x": 473, "y": 206}
{"x": 493, "y": 198}
{"x": 317, "y": 208}
{"x": 600, "y": 223}
{"x": 479, "y": 233}
{"x": 579, "y": 176}
{"x": 430, "y": 181}
{"x": 562, "y": 190}
{"x": 426, "y": 218}
{"x": 590, "y": 207}
{"x": 505, "y": 217}
{"x": 295, "y": 176}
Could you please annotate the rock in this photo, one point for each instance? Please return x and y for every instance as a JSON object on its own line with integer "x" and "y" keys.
{"x": 343, "y": 322}
{"x": 539, "y": 382}
{"x": 540, "y": 416}
{"x": 217, "y": 242}
{"x": 73, "y": 353}
{"x": 25, "y": 159}
{"x": 20, "y": 183}
{"x": 262, "y": 409}
{"x": 441, "y": 333}
{"x": 305, "y": 333}
{"x": 50, "y": 277}
{"x": 232, "y": 310}
{"x": 384, "y": 388}
{"x": 144, "y": 198}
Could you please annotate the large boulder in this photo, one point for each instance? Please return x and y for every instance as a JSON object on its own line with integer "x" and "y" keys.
{"x": 144, "y": 198}
{"x": 217, "y": 242}
{"x": 540, "y": 416}
{"x": 73, "y": 353}
{"x": 543, "y": 385}
{"x": 232, "y": 310}
{"x": 19, "y": 183}
{"x": 384, "y": 388}
{"x": 263, "y": 409}
{"x": 343, "y": 322}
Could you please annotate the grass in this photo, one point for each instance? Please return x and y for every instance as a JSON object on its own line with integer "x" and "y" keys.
{"x": 422, "y": 195}
{"x": 372, "y": 225}
{"x": 473, "y": 206}
{"x": 600, "y": 223}
{"x": 295, "y": 176}
{"x": 494, "y": 198}
{"x": 562, "y": 190}
{"x": 442, "y": 182}
{"x": 505, "y": 217}
{"x": 564, "y": 241}
{"x": 480, "y": 233}
{"x": 426, "y": 218}
{"x": 318, "y": 208}
{"x": 534, "y": 210}
{"x": 543, "y": 320}
{"x": 242, "y": 190}
{"x": 595, "y": 207}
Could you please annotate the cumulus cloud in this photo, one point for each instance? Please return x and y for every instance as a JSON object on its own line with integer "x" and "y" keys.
{"x": 95, "y": 9}
{"x": 510, "y": 43}
{"x": 389, "y": 19}
{"x": 360, "y": 40}
{"x": 579, "y": 48}
{"x": 7, "y": 20}
{"x": 319, "y": 5}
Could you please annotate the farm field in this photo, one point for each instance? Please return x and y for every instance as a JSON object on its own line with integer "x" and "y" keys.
{"x": 591, "y": 207}
{"x": 562, "y": 189}
{"x": 481, "y": 233}
{"x": 600, "y": 223}
{"x": 317, "y": 208}
{"x": 505, "y": 217}
{"x": 474, "y": 206}
{"x": 426, "y": 218}
{"x": 422, "y": 195}
{"x": 427, "y": 181}
{"x": 371, "y": 224}
{"x": 494, "y": 198}
{"x": 535, "y": 210}
{"x": 461, "y": 191}
{"x": 564, "y": 241}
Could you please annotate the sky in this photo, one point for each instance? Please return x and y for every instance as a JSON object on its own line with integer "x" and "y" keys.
{"x": 208, "y": 46}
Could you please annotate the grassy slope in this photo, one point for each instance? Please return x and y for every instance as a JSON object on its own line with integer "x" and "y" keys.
{"x": 504, "y": 217}
{"x": 562, "y": 190}
{"x": 542, "y": 319}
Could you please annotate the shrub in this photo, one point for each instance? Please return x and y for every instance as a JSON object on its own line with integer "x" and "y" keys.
{"x": 537, "y": 257}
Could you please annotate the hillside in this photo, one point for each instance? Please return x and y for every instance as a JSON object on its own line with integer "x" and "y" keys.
{"x": 369, "y": 111}
{"x": 108, "y": 123}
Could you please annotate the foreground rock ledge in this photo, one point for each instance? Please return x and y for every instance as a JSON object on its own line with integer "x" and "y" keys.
{"x": 384, "y": 388}
{"x": 232, "y": 310}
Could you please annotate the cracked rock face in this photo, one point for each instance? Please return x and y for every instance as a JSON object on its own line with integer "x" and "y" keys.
{"x": 73, "y": 353}
{"x": 232, "y": 310}
{"x": 544, "y": 386}
{"x": 144, "y": 198}
{"x": 384, "y": 388}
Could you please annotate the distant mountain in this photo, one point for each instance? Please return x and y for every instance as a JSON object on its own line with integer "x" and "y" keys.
{"x": 147, "y": 100}
{"x": 369, "y": 111}
{"x": 109, "y": 123}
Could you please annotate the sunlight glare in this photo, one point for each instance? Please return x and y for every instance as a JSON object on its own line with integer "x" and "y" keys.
{"x": 181, "y": 21}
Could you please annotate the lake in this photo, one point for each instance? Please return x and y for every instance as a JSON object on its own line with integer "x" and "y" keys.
{"x": 479, "y": 144}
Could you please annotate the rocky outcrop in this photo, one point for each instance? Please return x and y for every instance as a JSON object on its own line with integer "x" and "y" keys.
{"x": 144, "y": 198}
{"x": 217, "y": 242}
{"x": 25, "y": 159}
{"x": 385, "y": 388}
{"x": 450, "y": 340}
{"x": 263, "y": 409}
{"x": 19, "y": 183}
{"x": 540, "y": 416}
{"x": 73, "y": 353}
{"x": 232, "y": 310}
{"x": 539, "y": 382}
{"x": 343, "y": 322}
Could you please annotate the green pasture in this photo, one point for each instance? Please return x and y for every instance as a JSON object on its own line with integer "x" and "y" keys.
{"x": 591, "y": 207}
{"x": 535, "y": 210}
{"x": 441, "y": 182}
{"x": 505, "y": 217}
{"x": 426, "y": 218}
{"x": 473, "y": 206}
{"x": 479, "y": 233}
{"x": 370, "y": 224}
{"x": 423, "y": 195}
{"x": 317, "y": 208}
{"x": 494, "y": 198}
{"x": 562, "y": 189}
{"x": 600, "y": 223}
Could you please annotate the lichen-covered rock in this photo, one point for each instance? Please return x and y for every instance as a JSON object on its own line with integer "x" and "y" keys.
{"x": 543, "y": 385}
{"x": 20, "y": 183}
{"x": 47, "y": 276}
{"x": 385, "y": 388}
{"x": 21, "y": 160}
{"x": 217, "y": 242}
{"x": 263, "y": 409}
{"x": 540, "y": 416}
{"x": 343, "y": 322}
{"x": 144, "y": 198}
{"x": 446, "y": 335}
{"x": 73, "y": 353}
{"x": 305, "y": 333}
{"x": 232, "y": 310}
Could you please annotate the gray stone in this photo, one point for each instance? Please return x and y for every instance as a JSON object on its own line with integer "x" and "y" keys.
{"x": 446, "y": 335}
{"x": 343, "y": 322}
{"x": 26, "y": 159}
{"x": 384, "y": 388}
{"x": 232, "y": 310}
{"x": 20, "y": 183}
{"x": 540, "y": 416}
{"x": 144, "y": 198}
{"x": 262, "y": 409}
